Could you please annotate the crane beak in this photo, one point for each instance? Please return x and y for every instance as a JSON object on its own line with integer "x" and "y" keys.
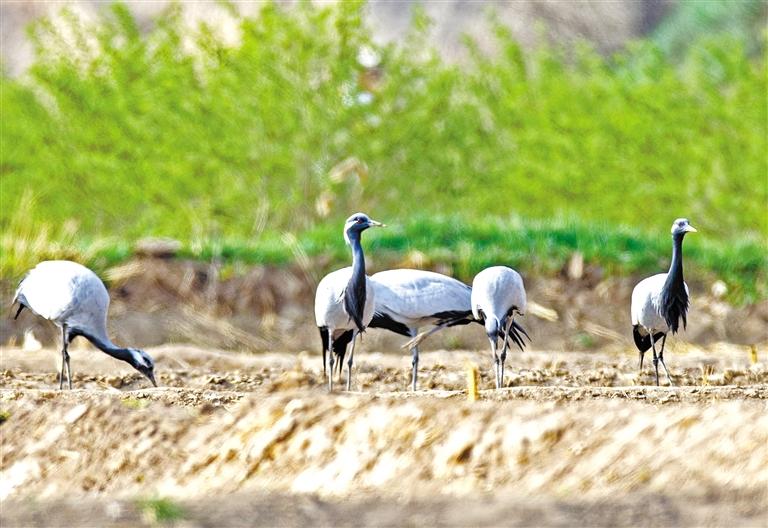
{"x": 374, "y": 223}
{"x": 690, "y": 229}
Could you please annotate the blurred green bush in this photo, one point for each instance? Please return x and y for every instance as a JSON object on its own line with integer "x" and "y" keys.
{"x": 117, "y": 134}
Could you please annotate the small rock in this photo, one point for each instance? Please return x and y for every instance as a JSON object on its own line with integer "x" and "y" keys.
{"x": 719, "y": 289}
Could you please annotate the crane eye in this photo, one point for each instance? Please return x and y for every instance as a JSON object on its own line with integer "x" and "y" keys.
{"x": 359, "y": 219}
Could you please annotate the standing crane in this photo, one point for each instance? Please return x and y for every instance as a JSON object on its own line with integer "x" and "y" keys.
{"x": 76, "y": 300}
{"x": 407, "y": 299}
{"x": 660, "y": 301}
{"x": 497, "y": 295}
{"x": 344, "y": 300}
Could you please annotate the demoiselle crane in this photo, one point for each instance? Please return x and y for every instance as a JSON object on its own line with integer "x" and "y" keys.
{"x": 344, "y": 300}
{"x": 498, "y": 295}
{"x": 661, "y": 301}
{"x": 76, "y": 300}
{"x": 407, "y": 299}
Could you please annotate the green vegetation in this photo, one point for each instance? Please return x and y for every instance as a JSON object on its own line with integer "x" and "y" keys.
{"x": 256, "y": 151}
{"x": 161, "y": 511}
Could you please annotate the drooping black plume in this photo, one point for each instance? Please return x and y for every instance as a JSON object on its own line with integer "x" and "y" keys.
{"x": 354, "y": 302}
{"x": 674, "y": 301}
{"x": 520, "y": 329}
{"x": 340, "y": 347}
{"x": 516, "y": 333}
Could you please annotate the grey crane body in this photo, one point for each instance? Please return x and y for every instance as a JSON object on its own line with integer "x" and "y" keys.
{"x": 660, "y": 302}
{"x": 408, "y": 299}
{"x": 74, "y": 298}
{"x": 344, "y": 300}
{"x": 498, "y": 294}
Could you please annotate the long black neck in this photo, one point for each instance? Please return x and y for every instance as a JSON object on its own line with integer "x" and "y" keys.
{"x": 676, "y": 266}
{"x": 674, "y": 298}
{"x": 354, "y": 294}
{"x": 105, "y": 345}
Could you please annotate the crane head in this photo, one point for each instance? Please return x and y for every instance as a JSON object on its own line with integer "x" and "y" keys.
{"x": 357, "y": 223}
{"x": 144, "y": 363}
{"x": 681, "y": 226}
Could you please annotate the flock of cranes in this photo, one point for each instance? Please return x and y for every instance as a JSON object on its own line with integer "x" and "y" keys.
{"x": 347, "y": 301}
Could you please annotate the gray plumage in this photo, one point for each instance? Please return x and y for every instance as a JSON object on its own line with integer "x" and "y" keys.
{"x": 74, "y": 298}
{"x": 344, "y": 299}
{"x": 498, "y": 294}
{"x": 660, "y": 302}
{"x": 408, "y": 299}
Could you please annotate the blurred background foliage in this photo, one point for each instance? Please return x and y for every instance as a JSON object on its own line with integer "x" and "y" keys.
{"x": 115, "y": 134}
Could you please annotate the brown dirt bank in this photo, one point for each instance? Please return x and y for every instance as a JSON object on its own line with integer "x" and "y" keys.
{"x": 242, "y": 439}
{"x": 158, "y": 301}
{"x": 342, "y": 445}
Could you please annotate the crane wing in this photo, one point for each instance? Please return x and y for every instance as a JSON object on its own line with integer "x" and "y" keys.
{"x": 413, "y": 296}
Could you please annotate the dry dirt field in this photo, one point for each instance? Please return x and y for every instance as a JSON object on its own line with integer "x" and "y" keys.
{"x": 576, "y": 438}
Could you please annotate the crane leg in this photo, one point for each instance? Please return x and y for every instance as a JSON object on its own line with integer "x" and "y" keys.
{"x": 69, "y": 372}
{"x": 502, "y": 358}
{"x": 415, "y": 367}
{"x": 65, "y": 359}
{"x": 61, "y": 372}
{"x": 495, "y": 359}
{"x": 655, "y": 358}
{"x": 349, "y": 362}
{"x": 330, "y": 360}
{"x": 504, "y": 348}
{"x": 661, "y": 358}
{"x": 414, "y": 360}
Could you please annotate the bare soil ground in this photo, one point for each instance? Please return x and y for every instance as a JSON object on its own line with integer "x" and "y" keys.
{"x": 240, "y": 439}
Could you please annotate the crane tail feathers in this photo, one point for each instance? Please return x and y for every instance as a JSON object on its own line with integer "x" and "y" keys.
{"x": 382, "y": 320}
{"x": 642, "y": 342}
{"x": 22, "y": 301}
{"x": 324, "y": 338}
{"x": 456, "y": 318}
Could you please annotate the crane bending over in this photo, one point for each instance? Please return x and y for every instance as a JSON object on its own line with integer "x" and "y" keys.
{"x": 76, "y": 300}
{"x": 660, "y": 301}
{"x": 344, "y": 300}
{"x": 497, "y": 294}
{"x": 407, "y": 299}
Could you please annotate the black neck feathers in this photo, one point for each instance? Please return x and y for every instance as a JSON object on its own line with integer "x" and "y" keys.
{"x": 105, "y": 345}
{"x": 354, "y": 294}
{"x": 674, "y": 298}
